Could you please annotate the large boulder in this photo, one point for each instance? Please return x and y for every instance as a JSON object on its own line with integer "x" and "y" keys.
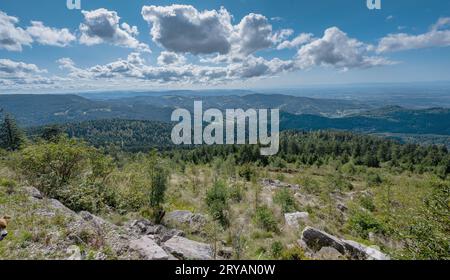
{"x": 361, "y": 252}
{"x": 185, "y": 219}
{"x": 316, "y": 239}
{"x": 293, "y": 219}
{"x": 186, "y": 249}
{"x": 148, "y": 249}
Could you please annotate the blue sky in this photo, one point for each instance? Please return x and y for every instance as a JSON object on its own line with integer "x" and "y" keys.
{"x": 249, "y": 43}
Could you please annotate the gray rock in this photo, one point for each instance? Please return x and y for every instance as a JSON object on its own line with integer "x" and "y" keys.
{"x": 341, "y": 207}
{"x": 142, "y": 227}
{"x": 329, "y": 253}
{"x": 168, "y": 234}
{"x": 361, "y": 252}
{"x": 316, "y": 239}
{"x": 159, "y": 233}
{"x": 74, "y": 252}
{"x": 99, "y": 256}
{"x": 185, "y": 219}
{"x": 292, "y": 219}
{"x": 186, "y": 249}
{"x": 33, "y": 192}
{"x": 56, "y": 204}
{"x": 225, "y": 252}
{"x": 148, "y": 249}
{"x": 274, "y": 184}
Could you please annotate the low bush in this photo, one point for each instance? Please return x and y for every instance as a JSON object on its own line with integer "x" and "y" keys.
{"x": 286, "y": 200}
{"x": 265, "y": 219}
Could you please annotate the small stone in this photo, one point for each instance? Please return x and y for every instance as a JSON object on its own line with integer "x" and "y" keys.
{"x": 226, "y": 252}
{"x": 342, "y": 207}
{"x": 33, "y": 192}
{"x": 74, "y": 252}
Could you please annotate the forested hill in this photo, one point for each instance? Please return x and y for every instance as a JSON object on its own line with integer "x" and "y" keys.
{"x": 129, "y": 135}
{"x": 129, "y": 122}
{"x": 42, "y": 109}
{"x": 389, "y": 119}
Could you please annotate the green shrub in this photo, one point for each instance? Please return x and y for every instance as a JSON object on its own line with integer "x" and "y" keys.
{"x": 310, "y": 185}
{"x": 277, "y": 249}
{"x": 236, "y": 192}
{"x": 265, "y": 219}
{"x": 337, "y": 182}
{"x": 247, "y": 172}
{"x": 50, "y": 166}
{"x": 84, "y": 197}
{"x": 366, "y": 201}
{"x": 10, "y": 185}
{"x": 286, "y": 200}
{"x": 373, "y": 179}
{"x": 363, "y": 222}
{"x": 427, "y": 237}
{"x": 294, "y": 253}
{"x": 69, "y": 170}
{"x": 216, "y": 200}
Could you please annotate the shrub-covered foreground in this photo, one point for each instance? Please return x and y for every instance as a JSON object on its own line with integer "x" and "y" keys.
{"x": 399, "y": 203}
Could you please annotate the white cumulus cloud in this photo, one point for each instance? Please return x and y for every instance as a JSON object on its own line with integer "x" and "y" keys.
{"x": 253, "y": 33}
{"x": 336, "y": 49}
{"x": 183, "y": 29}
{"x": 12, "y": 38}
{"x": 102, "y": 26}
{"x": 20, "y": 73}
{"x": 298, "y": 41}
{"x": 166, "y": 58}
{"x": 50, "y": 36}
{"x": 437, "y": 36}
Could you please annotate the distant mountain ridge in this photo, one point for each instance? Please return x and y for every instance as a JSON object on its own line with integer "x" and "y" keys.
{"x": 296, "y": 112}
{"x": 35, "y": 110}
{"x": 389, "y": 119}
{"x": 287, "y": 103}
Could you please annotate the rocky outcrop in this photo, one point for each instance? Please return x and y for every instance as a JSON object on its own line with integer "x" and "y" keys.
{"x": 195, "y": 223}
{"x": 81, "y": 230}
{"x": 186, "y": 249}
{"x": 74, "y": 253}
{"x": 139, "y": 239}
{"x": 293, "y": 219}
{"x": 361, "y": 252}
{"x": 148, "y": 249}
{"x": 328, "y": 253}
{"x": 316, "y": 240}
{"x": 275, "y": 184}
{"x": 158, "y": 232}
{"x": 33, "y": 192}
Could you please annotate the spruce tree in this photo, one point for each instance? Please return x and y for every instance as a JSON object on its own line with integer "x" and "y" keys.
{"x": 11, "y": 136}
